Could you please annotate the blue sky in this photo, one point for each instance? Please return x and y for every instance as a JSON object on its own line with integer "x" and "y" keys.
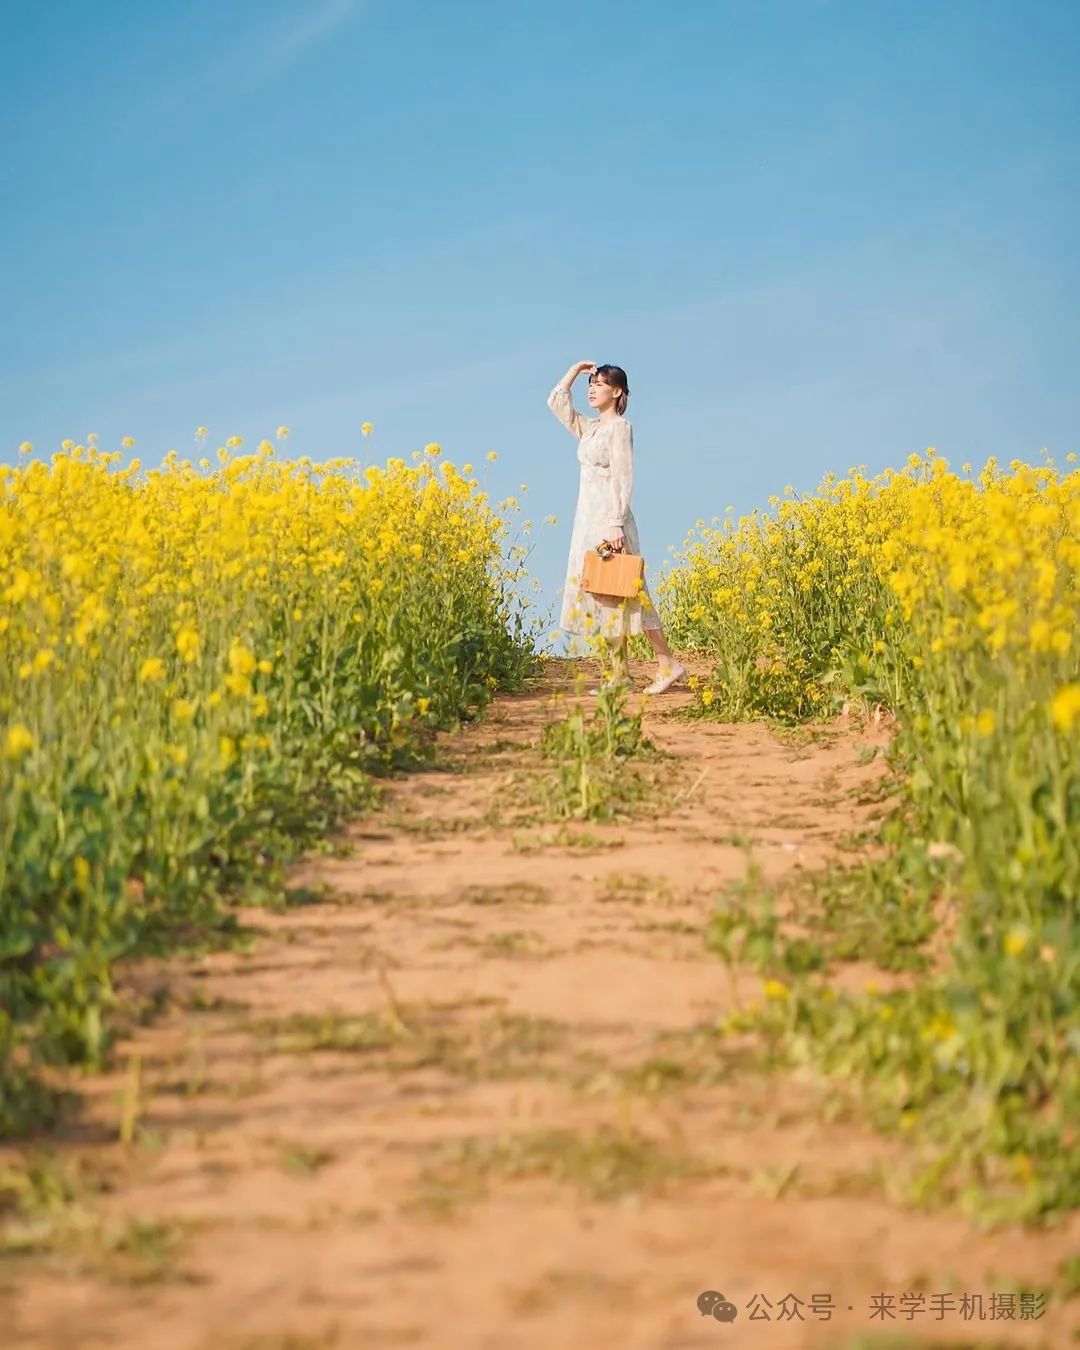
{"x": 816, "y": 233}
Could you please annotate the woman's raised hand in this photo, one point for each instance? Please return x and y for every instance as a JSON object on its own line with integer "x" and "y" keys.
{"x": 590, "y": 366}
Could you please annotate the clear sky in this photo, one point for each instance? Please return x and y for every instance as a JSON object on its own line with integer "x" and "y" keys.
{"x": 816, "y": 233}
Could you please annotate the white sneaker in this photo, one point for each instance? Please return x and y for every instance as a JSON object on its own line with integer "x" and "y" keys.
{"x": 662, "y": 682}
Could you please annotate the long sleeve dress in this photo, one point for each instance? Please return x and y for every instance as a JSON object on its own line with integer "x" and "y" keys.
{"x": 606, "y": 455}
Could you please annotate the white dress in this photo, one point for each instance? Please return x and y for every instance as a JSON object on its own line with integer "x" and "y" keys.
{"x": 606, "y": 455}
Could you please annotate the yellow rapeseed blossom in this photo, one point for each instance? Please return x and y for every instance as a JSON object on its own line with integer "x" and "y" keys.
{"x": 18, "y": 740}
{"x": 152, "y": 670}
{"x": 1016, "y": 941}
{"x": 1065, "y": 706}
{"x": 985, "y": 722}
{"x": 241, "y": 659}
{"x": 187, "y": 644}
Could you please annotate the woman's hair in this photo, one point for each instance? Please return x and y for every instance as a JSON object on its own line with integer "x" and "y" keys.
{"x": 615, "y": 376}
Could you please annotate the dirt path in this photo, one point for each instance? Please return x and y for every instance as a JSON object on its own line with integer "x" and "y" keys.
{"x": 461, "y": 1099}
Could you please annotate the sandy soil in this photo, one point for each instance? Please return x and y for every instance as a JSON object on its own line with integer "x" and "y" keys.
{"x": 463, "y": 1094}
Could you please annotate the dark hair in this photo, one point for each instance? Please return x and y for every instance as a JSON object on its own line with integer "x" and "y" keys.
{"x": 616, "y": 377}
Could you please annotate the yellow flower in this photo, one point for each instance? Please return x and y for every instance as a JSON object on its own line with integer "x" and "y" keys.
{"x": 178, "y": 754}
{"x": 152, "y": 670}
{"x": 226, "y": 751}
{"x": 128, "y": 442}
{"x": 367, "y": 429}
{"x": 1065, "y": 706}
{"x": 492, "y": 455}
{"x": 187, "y": 644}
{"x": 240, "y": 685}
{"x": 260, "y": 705}
{"x": 183, "y": 710}
{"x": 200, "y": 432}
{"x": 26, "y": 448}
{"x": 1015, "y": 941}
{"x": 282, "y": 433}
{"x": 774, "y": 989}
{"x": 241, "y": 659}
{"x": 707, "y": 697}
{"x": 433, "y": 449}
{"x": 940, "y": 1028}
{"x": 423, "y": 704}
{"x": 18, "y": 741}
{"x": 264, "y": 667}
{"x": 985, "y": 723}
{"x": 234, "y": 442}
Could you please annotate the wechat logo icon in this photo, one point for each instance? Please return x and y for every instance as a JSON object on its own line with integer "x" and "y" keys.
{"x": 713, "y": 1302}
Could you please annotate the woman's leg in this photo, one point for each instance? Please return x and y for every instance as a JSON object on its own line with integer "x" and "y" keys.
{"x": 664, "y": 658}
{"x": 671, "y": 669}
{"x": 620, "y": 667}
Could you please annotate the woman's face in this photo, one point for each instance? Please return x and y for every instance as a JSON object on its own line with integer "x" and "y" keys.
{"x": 601, "y": 395}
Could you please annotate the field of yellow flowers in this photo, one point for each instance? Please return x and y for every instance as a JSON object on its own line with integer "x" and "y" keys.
{"x": 954, "y": 601}
{"x": 201, "y": 668}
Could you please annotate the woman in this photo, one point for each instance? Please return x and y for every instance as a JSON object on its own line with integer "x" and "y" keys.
{"x": 606, "y": 455}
